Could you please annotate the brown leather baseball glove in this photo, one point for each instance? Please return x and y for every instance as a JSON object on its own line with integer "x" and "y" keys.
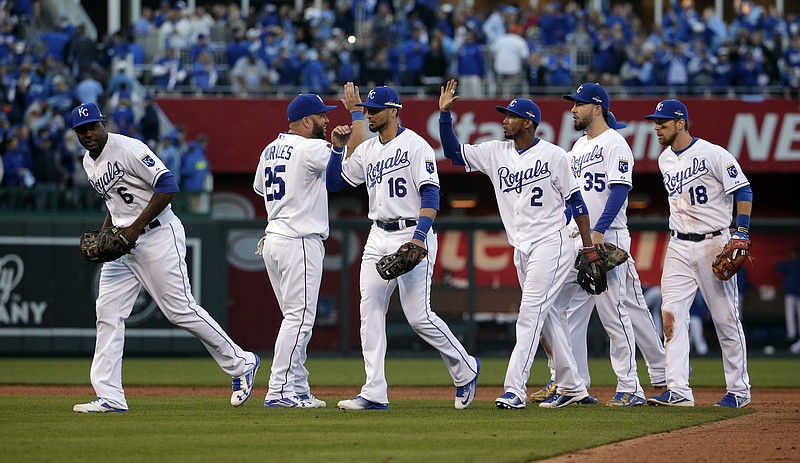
{"x": 401, "y": 261}
{"x": 732, "y": 258}
{"x": 105, "y": 245}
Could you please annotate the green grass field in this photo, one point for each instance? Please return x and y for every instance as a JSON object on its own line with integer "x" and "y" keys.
{"x": 196, "y": 429}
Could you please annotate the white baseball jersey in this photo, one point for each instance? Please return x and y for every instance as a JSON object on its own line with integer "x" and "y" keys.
{"x": 597, "y": 163}
{"x": 125, "y": 174}
{"x": 530, "y": 186}
{"x": 291, "y": 179}
{"x": 699, "y": 181}
{"x": 393, "y": 173}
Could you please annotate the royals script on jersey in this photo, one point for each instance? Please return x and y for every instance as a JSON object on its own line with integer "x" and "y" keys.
{"x": 291, "y": 179}
{"x": 393, "y": 173}
{"x": 699, "y": 182}
{"x": 597, "y": 163}
{"x": 125, "y": 175}
{"x": 530, "y": 186}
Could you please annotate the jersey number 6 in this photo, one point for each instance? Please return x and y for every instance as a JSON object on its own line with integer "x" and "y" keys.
{"x": 274, "y": 185}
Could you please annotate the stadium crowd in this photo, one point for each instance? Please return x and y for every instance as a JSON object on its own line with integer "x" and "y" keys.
{"x": 48, "y": 67}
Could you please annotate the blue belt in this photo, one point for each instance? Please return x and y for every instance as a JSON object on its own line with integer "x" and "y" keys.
{"x": 396, "y": 225}
{"x": 696, "y": 237}
{"x": 154, "y": 224}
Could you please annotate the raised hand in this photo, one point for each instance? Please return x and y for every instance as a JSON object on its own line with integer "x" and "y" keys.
{"x": 351, "y": 97}
{"x": 448, "y": 95}
{"x": 340, "y": 135}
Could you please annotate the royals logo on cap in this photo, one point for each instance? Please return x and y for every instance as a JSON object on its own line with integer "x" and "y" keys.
{"x": 524, "y": 108}
{"x": 669, "y": 109}
{"x": 86, "y": 113}
{"x": 382, "y": 97}
{"x": 591, "y": 93}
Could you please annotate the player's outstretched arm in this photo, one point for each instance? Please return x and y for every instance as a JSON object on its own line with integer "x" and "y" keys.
{"x": 359, "y": 128}
{"x": 451, "y": 148}
{"x": 340, "y": 135}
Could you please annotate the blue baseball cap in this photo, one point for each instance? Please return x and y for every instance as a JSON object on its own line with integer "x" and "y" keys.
{"x": 85, "y": 114}
{"x": 670, "y": 109}
{"x": 523, "y": 107}
{"x": 306, "y": 104}
{"x": 591, "y": 93}
{"x": 382, "y": 97}
{"x": 612, "y": 122}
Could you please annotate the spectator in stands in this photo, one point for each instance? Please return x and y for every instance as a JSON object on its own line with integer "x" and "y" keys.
{"x": 195, "y": 173}
{"x": 89, "y": 90}
{"x": 537, "y": 72}
{"x": 17, "y": 164}
{"x": 750, "y": 72}
{"x": 700, "y": 67}
{"x": 143, "y": 25}
{"x": 378, "y": 71}
{"x": 149, "y": 124}
{"x": 434, "y": 66}
{"x": 510, "y": 52}
{"x": 81, "y": 52}
{"x": 638, "y": 72}
{"x": 471, "y": 67}
{"x": 249, "y": 75}
{"x": 46, "y": 167}
{"x": 56, "y": 39}
{"x": 496, "y": 24}
{"x": 122, "y": 117}
{"x": 201, "y": 45}
{"x": 168, "y": 71}
{"x": 313, "y": 75}
{"x": 237, "y": 47}
{"x": 413, "y": 53}
{"x": 789, "y": 66}
{"x": 559, "y": 67}
{"x": 204, "y": 73}
{"x": 723, "y": 73}
{"x": 119, "y": 77}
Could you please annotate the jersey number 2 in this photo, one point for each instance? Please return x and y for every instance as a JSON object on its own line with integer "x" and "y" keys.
{"x": 274, "y": 185}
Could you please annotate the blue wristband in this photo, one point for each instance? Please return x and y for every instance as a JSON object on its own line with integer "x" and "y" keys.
{"x": 335, "y": 150}
{"x": 423, "y": 226}
{"x": 743, "y": 220}
{"x": 357, "y": 116}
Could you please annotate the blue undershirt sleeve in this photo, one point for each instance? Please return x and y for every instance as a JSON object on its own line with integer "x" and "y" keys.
{"x": 744, "y": 193}
{"x": 333, "y": 172}
{"x": 575, "y": 205}
{"x": 429, "y": 195}
{"x": 450, "y": 144}
{"x": 167, "y": 184}
{"x": 617, "y": 197}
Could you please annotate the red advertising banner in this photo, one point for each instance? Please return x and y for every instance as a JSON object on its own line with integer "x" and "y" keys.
{"x": 764, "y": 136}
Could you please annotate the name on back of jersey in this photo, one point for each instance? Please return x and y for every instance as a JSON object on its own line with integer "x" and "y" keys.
{"x": 674, "y": 183}
{"x": 376, "y": 171}
{"x": 515, "y": 181}
{"x": 278, "y": 152}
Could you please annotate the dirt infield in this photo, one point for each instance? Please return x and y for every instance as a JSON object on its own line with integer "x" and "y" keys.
{"x": 770, "y": 434}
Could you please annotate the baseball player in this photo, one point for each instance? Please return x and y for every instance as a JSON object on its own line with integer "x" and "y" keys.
{"x": 291, "y": 179}
{"x": 137, "y": 190}
{"x": 532, "y": 182}
{"x": 602, "y": 163}
{"x": 645, "y": 330}
{"x": 703, "y": 181}
{"x": 399, "y": 170}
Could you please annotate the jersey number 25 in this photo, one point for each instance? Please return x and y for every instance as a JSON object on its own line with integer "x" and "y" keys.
{"x": 274, "y": 186}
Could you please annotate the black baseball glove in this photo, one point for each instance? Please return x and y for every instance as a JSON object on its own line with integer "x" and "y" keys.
{"x": 105, "y": 245}
{"x": 591, "y": 271}
{"x": 401, "y": 261}
{"x": 613, "y": 256}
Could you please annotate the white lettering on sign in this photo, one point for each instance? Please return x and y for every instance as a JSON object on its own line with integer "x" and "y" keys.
{"x": 745, "y": 131}
{"x": 13, "y": 310}
{"x": 789, "y": 137}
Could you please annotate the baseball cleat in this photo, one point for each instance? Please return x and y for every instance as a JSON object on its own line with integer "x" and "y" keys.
{"x": 509, "y": 401}
{"x": 98, "y": 405}
{"x": 466, "y": 393}
{"x": 287, "y": 402}
{"x": 549, "y": 390}
{"x": 360, "y": 403}
{"x": 242, "y": 386}
{"x": 733, "y": 401}
{"x": 588, "y": 400}
{"x": 670, "y": 398}
{"x": 312, "y": 401}
{"x": 561, "y": 400}
{"x": 625, "y": 399}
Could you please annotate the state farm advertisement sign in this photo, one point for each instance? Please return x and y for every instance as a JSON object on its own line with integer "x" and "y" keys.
{"x": 763, "y": 136}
